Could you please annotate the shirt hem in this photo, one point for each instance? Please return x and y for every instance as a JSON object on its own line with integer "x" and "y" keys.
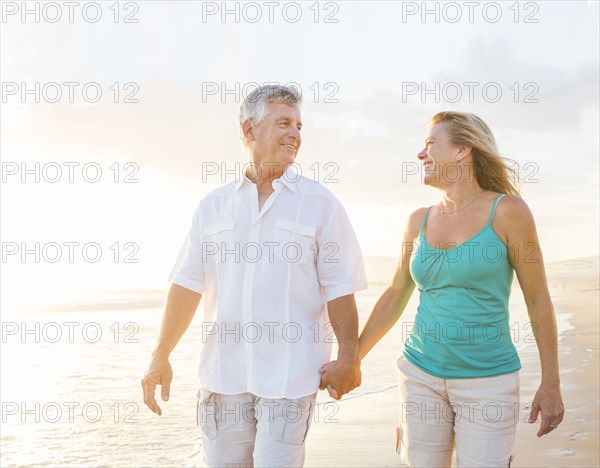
{"x": 449, "y": 377}
{"x": 274, "y": 396}
{"x": 189, "y": 284}
{"x": 339, "y": 291}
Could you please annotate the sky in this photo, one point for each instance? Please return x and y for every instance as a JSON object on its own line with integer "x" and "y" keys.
{"x": 163, "y": 131}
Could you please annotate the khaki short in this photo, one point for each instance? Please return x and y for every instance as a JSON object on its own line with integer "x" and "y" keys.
{"x": 475, "y": 418}
{"x": 245, "y": 430}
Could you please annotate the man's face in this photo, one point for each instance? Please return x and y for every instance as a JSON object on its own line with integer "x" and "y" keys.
{"x": 277, "y": 137}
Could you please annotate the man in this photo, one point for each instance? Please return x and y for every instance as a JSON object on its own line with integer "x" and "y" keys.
{"x": 273, "y": 254}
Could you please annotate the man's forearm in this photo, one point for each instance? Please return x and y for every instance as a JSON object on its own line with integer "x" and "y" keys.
{"x": 179, "y": 311}
{"x": 343, "y": 316}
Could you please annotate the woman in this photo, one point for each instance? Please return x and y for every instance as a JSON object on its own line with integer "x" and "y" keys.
{"x": 459, "y": 379}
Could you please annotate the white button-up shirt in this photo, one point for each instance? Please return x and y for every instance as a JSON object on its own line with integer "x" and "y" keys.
{"x": 266, "y": 277}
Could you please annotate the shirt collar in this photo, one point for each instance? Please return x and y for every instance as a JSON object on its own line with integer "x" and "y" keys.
{"x": 289, "y": 179}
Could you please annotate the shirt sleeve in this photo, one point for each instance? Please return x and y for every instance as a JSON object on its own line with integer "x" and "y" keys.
{"x": 188, "y": 270}
{"x": 340, "y": 264}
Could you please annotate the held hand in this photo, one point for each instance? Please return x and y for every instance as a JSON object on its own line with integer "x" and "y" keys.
{"x": 340, "y": 377}
{"x": 548, "y": 402}
{"x": 324, "y": 385}
{"x": 159, "y": 373}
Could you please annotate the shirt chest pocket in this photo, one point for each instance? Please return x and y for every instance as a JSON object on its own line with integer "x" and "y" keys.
{"x": 217, "y": 239}
{"x": 294, "y": 243}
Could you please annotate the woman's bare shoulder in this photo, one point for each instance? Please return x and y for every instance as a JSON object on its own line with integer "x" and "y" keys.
{"x": 511, "y": 205}
{"x": 414, "y": 222}
{"x": 513, "y": 216}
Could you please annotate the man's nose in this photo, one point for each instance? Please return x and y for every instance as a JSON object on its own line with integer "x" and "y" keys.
{"x": 295, "y": 134}
{"x": 422, "y": 153}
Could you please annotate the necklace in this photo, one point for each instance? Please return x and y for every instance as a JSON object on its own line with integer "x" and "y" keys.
{"x": 470, "y": 201}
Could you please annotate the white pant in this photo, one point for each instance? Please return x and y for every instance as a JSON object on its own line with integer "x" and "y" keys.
{"x": 476, "y": 417}
{"x": 245, "y": 430}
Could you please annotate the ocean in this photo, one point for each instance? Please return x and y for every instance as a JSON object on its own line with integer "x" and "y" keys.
{"x": 71, "y": 371}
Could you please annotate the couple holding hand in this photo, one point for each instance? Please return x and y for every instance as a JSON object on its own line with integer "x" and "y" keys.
{"x": 277, "y": 261}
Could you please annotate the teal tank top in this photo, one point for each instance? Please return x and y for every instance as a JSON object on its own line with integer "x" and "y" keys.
{"x": 461, "y": 329}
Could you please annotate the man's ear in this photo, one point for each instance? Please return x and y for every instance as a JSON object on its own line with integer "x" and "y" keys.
{"x": 247, "y": 130}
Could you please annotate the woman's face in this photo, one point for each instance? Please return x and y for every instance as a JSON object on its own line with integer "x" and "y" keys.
{"x": 439, "y": 157}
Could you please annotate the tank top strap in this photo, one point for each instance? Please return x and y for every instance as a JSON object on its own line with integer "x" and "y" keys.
{"x": 424, "y": 220}
{"x": 494, "y": 208}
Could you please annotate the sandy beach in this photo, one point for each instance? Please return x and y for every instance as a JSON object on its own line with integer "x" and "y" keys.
{"x": 111, "y": 427}
{"x": 364, "y": 435}
{"x": 576, "y": 442}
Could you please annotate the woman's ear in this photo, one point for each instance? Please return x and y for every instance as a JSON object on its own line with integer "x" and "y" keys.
{"x": 463, "y": 152}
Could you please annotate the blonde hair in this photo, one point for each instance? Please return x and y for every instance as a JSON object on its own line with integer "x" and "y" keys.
{"x": 491, "y": 170}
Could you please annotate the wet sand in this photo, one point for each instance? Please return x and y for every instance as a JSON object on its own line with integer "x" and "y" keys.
{"x": 361, "y": 431}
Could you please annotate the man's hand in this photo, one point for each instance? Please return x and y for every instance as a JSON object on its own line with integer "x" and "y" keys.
{"x": 340, "y": 377}
{"x": 179, "y": 311}
{"x": 159, "y": 373}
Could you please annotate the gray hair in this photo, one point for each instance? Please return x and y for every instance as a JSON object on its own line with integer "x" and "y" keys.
{"x": 253, "y": 106}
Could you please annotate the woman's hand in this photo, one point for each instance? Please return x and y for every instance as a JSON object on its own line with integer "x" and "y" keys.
{"x": 325, "y": 385}
{"x": 340, "y": 377}
{"x": 548, "y": 402}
